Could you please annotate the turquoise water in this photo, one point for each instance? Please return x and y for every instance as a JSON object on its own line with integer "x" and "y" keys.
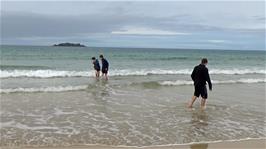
{"x": 62, "y": 65}
{"x": 49, "y": 96}
{"x": 78, "y": 59}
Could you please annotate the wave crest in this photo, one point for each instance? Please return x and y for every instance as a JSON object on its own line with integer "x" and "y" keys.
{"x": 44, "y": 89}
{"x": 181, "y": 82}
{"x": 153, "y": 84}
{"x": 125, "y": 72}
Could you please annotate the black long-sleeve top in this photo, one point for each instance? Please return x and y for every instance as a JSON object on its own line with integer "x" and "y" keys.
{"x": 96, "y": 65}
{"x": 105, "y": 64}
{"x": 200, "y": 75}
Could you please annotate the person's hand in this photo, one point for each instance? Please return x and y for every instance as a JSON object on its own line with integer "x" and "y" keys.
{"x": 210, "y": 88}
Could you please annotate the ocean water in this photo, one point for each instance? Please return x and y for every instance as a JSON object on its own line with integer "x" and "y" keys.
{"x": 49, "y": 96}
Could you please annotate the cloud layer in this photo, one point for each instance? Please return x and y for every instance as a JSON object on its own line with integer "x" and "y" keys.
{"x": 108, "y": 23}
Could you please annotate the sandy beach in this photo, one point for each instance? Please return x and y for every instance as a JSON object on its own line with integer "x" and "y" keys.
{"x": 132, "y": 75}
{"x": 244, "y": 144}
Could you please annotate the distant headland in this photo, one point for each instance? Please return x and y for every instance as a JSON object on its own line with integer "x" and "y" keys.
{"x": 67, "y": 44}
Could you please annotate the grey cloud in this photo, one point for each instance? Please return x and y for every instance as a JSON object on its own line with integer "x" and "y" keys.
{"x": 25, "y": 24}
{"x": 260, "y": 18}
{"x": 40, "y": 25}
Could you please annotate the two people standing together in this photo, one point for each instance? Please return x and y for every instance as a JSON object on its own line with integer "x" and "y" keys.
{"x": 97, "y": 67}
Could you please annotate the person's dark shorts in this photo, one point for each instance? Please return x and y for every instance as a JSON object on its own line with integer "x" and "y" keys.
{"x": 201, "y": 91}
{"x": 105, "y": 71}
{"x": 97, "y": 68}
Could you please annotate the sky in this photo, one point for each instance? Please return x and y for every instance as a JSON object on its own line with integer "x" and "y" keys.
{"x": 150, "y": 24}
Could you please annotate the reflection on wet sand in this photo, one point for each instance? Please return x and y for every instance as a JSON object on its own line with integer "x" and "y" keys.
{"x": 199, "y": 146}
{"x": 199, "y": 117}
{"x": 197, "y": 126}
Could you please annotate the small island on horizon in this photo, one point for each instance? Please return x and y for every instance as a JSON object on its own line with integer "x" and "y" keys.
{"x": 67, "y": 44}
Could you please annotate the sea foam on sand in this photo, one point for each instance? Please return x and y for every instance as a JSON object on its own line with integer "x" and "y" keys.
{"x": 230, "y": 144}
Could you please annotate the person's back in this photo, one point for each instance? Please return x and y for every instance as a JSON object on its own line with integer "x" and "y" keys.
{"x": 105, "y": 63}
{"x": 200, "y": 75}
{"x": 96, "y": 65}
{"x": 105, "y": 66}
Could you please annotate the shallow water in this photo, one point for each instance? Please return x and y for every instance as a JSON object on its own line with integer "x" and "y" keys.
{"x": 133, "y": 116}
{"x": 49, "y": 97}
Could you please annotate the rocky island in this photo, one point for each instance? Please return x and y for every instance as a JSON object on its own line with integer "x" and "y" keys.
{"x": 67, "y": 44}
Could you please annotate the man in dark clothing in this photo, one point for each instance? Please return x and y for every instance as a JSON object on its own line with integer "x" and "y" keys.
{"x": 96, "y": 66}
{"x": 105, "y": 67}
{"x": 200, "y": 75}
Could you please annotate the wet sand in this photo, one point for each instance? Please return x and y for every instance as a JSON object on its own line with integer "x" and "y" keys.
{"x": 245, "y": 144}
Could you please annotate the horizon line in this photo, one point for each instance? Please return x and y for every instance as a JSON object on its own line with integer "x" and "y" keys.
{"x": 143, "y": 47}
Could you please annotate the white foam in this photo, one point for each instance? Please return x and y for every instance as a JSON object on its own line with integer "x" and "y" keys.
{"x": 42, "y": 73}
{"x": 237, "y": 71}
{"x": 181, "y": 82}
{"x": 44, "y": 89}
{"x": 178, "y": 82}
{"x": 25, "y": 127}
{"x": 115, "y": 72}
{"x": 175, "y": 144}
{"x": 83, "y": 87}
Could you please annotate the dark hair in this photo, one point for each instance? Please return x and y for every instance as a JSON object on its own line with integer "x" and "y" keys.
{"x": 204, "y": 61}
{"x": 101, "y": 56}
{"x": 93, "y": 58}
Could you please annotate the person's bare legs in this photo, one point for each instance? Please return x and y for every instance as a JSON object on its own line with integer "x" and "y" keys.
{"x": 96, "y": 74}
{"x": 203, "y": 104}
{"x": 105, "y": 76}
{"x": 190, "y": 104}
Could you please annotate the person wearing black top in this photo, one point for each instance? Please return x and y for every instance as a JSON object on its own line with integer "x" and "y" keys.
{"x": 96, "y": 66}
{"x": 105, "y": 67}
{"x": 200, "y": 76}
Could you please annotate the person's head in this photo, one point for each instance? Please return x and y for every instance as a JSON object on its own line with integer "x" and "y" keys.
{"x": 204, "y": 61}
{"x": 101, "y": 56}
{"x": 93, "y": 58}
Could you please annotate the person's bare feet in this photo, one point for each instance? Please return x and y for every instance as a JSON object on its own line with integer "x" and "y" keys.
{"x": 203, "y": 108}
{"x": 189, "y": 105}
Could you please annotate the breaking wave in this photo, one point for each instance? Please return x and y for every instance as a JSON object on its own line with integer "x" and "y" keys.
{"x": 44, "y": 89}
{"x": 145, "y": 84}
{"x": 125, "y": 72}
{"x": 181, "y": 82}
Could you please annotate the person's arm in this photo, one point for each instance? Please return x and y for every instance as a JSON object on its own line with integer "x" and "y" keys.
{"x": 107, "y": 64}
{"x": 93, "y": 63}
{"x": 208, "y": 79}
{"x": 104, "y": 65}
{"x": 193, "y": 74}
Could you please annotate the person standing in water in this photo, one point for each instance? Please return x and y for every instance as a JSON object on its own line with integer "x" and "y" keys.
{"x": 200, "y": 75}
{"x": 96, "y": 66}
{"x": 105, "y": 67}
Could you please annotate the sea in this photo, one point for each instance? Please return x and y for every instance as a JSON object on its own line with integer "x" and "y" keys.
{"x": 50, "y": 97}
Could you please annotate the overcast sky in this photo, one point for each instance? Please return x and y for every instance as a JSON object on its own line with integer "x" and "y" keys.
{"x": 213, "y": 25}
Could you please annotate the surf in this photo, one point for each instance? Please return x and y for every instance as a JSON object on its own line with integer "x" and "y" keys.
{"x": 118, "y": 72}
{"x": 149, "y": 84}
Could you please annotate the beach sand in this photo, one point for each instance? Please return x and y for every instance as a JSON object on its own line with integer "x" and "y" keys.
{"x": 245, "y": 144}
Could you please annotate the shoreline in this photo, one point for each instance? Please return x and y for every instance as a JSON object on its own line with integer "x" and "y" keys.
{"x": 256, "y": 143}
